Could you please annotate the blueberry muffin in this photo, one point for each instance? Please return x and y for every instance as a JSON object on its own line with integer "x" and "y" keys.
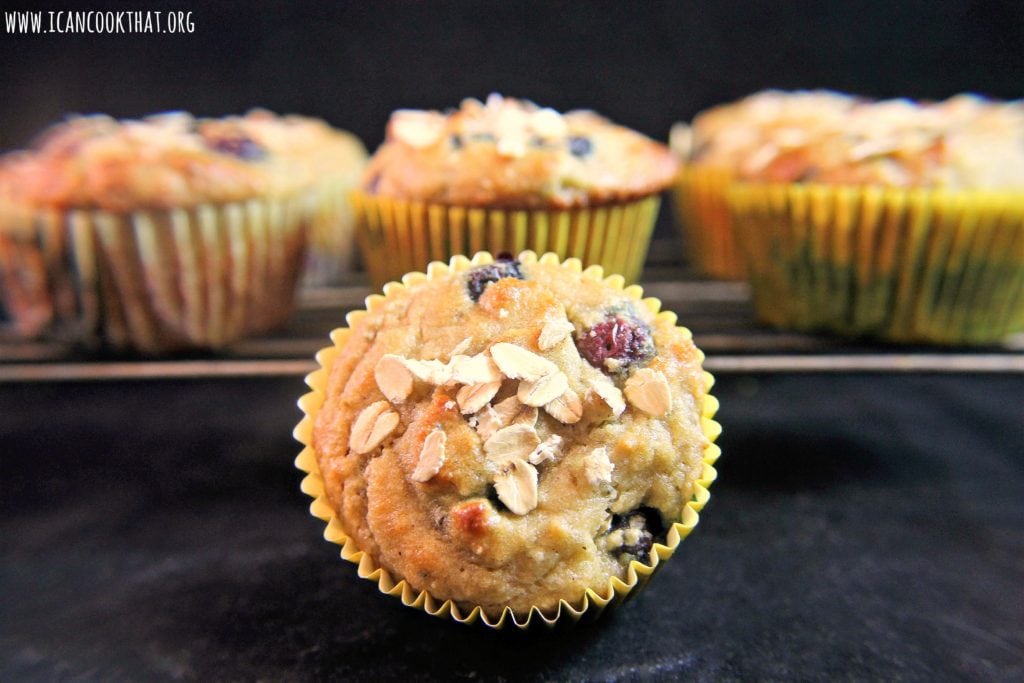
{"x": 767, "y": 132}
{"x": 894, "y": 220}
{"x": 152, "y": 235}
{"x": 506, "y": 175}
{"x": 965, "y": 142}
{"x": 511, "y": 433}
{"x": 333, "y": 162}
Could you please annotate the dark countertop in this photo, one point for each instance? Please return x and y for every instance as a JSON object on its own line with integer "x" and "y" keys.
{"x": 862, "y": 527}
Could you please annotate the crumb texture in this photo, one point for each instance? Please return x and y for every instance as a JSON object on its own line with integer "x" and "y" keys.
{"x": 469, "y": 447}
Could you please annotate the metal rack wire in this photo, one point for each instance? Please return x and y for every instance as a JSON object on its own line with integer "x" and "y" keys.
{"x": 720, "y": 314}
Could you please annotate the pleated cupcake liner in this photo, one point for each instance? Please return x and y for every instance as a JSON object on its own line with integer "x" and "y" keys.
{"x": 332, "y": 250}
{"x": 152, "y": 281}
{"x": 900, "y": 265}
{"x": 591, "y": 604}
{"x": 702, "y": 215}
{"x": 396, "y": 236}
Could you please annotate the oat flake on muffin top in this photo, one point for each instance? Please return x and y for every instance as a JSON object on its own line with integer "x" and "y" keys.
{"x": 510, "y": 153}
{"x": 512, "y": 434}
{"x": 964, "y": 142}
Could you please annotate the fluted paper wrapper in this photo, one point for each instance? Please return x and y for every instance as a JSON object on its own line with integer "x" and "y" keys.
{"x": 702, "y": 214}
{"x": 332, "y": 241}
{"x": 589, "y": 605}
{"x": 397, "y": 236}
{"x": 917, "y": 266}
{"x": 152, "y": 281}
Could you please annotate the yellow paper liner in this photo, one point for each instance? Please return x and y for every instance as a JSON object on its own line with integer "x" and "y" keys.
{"x": 153, "y": 280}
{"x": 592, "y": 603}
{"x": 902, "y": 265}
{"x": 332, "y": 241}
{"x": 397, "y": 236}
{"x": 702, "y": 214}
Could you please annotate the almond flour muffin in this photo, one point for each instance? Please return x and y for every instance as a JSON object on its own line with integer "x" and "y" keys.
{"x": 332, "y": 161}
{"x": 159, "y": 234}
{"x": 511, "y": 434}
{"x": 896, "y": 220}
{"x": 965, "y": 142}
{"x": 575, "y": 184}
{"x": 510, "y": 153}
{"x": 769, "y": 130}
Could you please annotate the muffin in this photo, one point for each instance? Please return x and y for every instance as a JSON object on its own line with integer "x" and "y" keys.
{"x": 334, "y": 161}
{"x": 506, "y": 175}
{"x": 731, "y": 140}
{"x": 506, "y": 438}
{"x": 902, "y": 221}
{"x": 154, "y": 235}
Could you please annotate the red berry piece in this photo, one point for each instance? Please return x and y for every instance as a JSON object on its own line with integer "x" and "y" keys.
{"x": 620, "y": 339}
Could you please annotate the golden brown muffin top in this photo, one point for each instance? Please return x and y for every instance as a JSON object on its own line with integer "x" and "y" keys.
{"x": 510, "y": 153}
{"x": 171, "y": 160}
{"x": 965, "y": 142}
{"x": 511, "y": 434}
{"x": 316, "y": 149}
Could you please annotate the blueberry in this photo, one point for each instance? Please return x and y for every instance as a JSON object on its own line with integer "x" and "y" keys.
{"x": 478, "y": 278}
{"x": 456, "y": 141}
{"x": 639, "y": 530}
{"x": 238, "y": 145}
{"x": 580, "y": 146}
{"x": 623, "y": 339}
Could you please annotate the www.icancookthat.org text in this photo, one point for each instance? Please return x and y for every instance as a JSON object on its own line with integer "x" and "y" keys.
{"x": 60, "y": 21}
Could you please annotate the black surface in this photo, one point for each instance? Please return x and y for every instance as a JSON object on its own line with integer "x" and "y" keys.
{"x": 646, "y": 64}
{"x": 863, "y": 527}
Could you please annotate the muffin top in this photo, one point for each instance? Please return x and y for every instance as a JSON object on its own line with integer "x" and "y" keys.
{"x": 512, "y": 433}
{"x": 965, "y": 142}
{"x": 170, "y": 160}
{"x": 732, "y": 135}
{"x": 315, "y": 149}
{"x": 510, "y": 153}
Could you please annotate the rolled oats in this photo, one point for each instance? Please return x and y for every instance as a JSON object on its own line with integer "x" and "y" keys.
{"x": 519, "y": 363}
{"x": 431, "y": 456}
{"x": 473, "y": 397}
{"x": 514, "y": 441}
{"x": 544, "y": 390}
{"x": 516, "y": 485}
{"x": 549, "y": 449}
{"x": 553, "y": 332}
{"x": 373, "y": 425}
{"x": 567, "y": 408}
{"x": 393, "y": 378}
{"x": 648, "y": 390}
{"x": 610, "y": 394}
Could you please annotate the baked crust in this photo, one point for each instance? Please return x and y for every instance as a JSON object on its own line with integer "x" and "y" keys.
{"x": 965, "y": 142}
{"x": 173, "y": 160}
{"x": 613, "y": 467}
{"x": 509, "y": 153}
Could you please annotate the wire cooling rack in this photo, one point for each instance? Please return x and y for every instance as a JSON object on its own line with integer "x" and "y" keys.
{"x": 720, "y": 314}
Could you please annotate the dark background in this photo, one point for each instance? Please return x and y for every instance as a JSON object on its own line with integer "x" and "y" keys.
{"x": 864, "y": 527}
{"x": 645, "y": 64}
